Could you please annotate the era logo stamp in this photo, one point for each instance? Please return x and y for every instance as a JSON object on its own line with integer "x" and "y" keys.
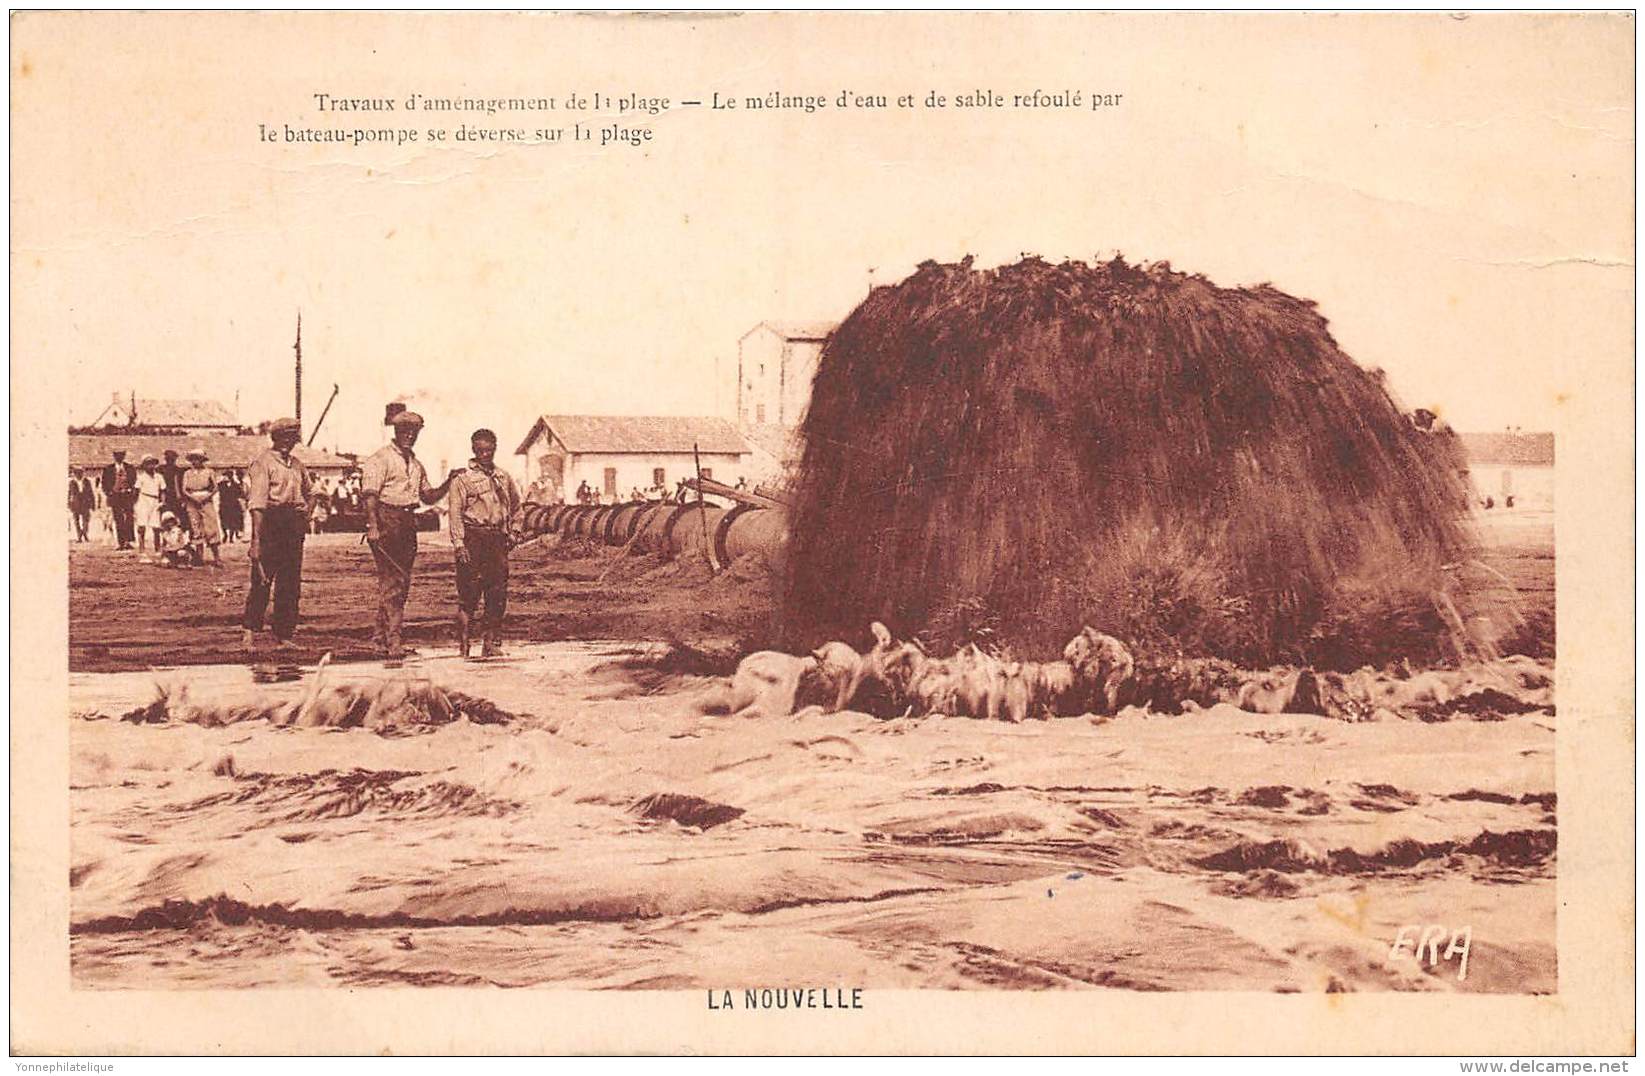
{"x": 1426, "y": 946}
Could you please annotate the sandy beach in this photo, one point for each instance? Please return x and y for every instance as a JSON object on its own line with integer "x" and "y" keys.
{"x": 602, "y": 835}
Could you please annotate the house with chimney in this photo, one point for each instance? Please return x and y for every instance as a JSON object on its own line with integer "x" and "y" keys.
{"x": 127, "y": 409}
{"x": 142, "y": 427}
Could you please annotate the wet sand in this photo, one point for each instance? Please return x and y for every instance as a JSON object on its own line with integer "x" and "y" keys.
{"x": 607, "y": 837}
{"x": 578, "y": 825}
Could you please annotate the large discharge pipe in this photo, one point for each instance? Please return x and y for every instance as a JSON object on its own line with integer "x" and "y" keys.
{"x": 670, "y": 530}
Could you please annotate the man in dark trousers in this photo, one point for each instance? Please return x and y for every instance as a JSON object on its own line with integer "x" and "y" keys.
{"x": 172, "y": 498}
{"x": 120, "y": 490}
{"x": 484, "y": 521}
{"x": 81, "y": 501}
{"x": 392, "y": 485}
{"x": 278, "y": 500}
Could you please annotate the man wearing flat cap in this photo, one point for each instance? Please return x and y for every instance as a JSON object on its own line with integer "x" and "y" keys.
{"x": 484, "y": 521}
{"x": 392, "y": 486}
{"x": 278, "y": 496}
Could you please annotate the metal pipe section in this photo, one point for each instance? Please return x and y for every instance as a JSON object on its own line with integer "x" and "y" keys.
{"x": 669, "y": 530}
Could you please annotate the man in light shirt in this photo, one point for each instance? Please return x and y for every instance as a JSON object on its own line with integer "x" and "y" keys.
{"x": 485, "y": 518}
{"x": 392, "y": 486}
{"x": 278, "y": 499}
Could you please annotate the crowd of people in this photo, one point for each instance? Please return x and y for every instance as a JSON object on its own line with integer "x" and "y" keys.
{"x": 179, "y": 512}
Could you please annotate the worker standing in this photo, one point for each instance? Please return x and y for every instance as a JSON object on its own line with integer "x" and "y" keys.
{"x": 485, "y": 516}
{"x": 278, "y": 501}
{"x": 392, "y": 485}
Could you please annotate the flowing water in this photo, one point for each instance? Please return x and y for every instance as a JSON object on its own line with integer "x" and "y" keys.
{"x": 560, "y": 821}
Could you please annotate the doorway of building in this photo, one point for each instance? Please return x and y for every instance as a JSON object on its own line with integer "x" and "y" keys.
{"x": 549, "y": 485}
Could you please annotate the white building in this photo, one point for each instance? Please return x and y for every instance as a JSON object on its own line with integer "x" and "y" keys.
{"x": 776, "y": 367}
{"x": 616, "y": 454}
{"x": 776, "y": 363}
{"x": 1517, "y": 465}
{"x": 188, "y": 416}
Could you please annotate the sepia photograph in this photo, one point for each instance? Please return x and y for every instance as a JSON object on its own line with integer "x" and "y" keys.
{"x": 764, "y": 514}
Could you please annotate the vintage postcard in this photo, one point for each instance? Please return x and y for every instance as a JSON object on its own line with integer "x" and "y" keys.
{"x": 889, "y": 532}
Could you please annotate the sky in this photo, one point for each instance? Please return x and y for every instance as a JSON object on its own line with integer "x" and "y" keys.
{"x": 1455, "y": 194}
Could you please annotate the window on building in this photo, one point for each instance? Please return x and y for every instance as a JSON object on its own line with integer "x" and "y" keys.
{"x": 611, "y": 480}
{"x": 759, "y": 412}
{"x": 657, "y": 477}
{"x": 762, "y": 369}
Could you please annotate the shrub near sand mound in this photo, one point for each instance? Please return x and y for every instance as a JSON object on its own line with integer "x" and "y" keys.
{"x": 1191, "y": 468}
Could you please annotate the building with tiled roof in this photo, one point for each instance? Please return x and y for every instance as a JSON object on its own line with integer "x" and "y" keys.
{"x": 617, "y": 454}
{"x": 223, "y": 451}
{"x": 1512, "y": 465}
{"x": 192, "y": 416}
{"x": 1512, "y": 448}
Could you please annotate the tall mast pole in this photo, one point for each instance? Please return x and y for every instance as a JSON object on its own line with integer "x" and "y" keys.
{"x": 299, "y": 350}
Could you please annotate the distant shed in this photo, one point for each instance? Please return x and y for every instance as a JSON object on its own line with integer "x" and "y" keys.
{"x": 1512, "y": 464}
{"x": 616, "y": 454}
